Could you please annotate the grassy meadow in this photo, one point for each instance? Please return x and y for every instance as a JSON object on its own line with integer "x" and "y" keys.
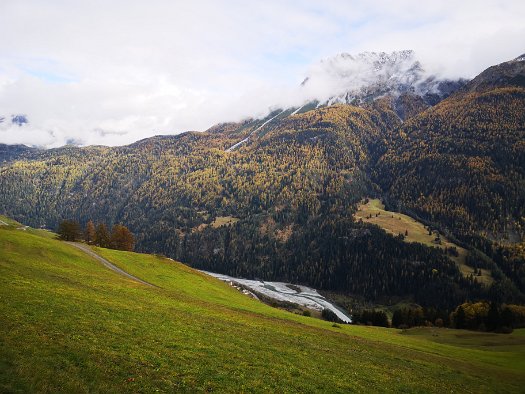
{"x": 68, "y": 324}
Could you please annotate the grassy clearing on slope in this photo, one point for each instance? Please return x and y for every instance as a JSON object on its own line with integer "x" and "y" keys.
{"x": 223, "y": 221}
{"x": 218, "y": 222}
{"x": 68, "y": 324}
{"x": 397, "y": 223}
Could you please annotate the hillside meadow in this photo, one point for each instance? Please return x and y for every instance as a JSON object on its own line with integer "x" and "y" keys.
{"x": 373, "y": 211}
{"x": 68, "y": 324}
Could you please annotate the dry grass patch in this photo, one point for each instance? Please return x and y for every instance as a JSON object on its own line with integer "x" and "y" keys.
{"x": 373, "y": 211}
{"x": 224, "y": 221}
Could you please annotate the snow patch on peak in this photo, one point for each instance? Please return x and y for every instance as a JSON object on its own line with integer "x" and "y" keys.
{"x": 347, "y": 78}
{"x": 520, "y": 58}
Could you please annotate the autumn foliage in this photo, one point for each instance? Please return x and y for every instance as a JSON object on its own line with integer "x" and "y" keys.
{"x": 120, "y": 238}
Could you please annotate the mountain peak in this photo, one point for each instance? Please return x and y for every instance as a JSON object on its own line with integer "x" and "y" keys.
{"x": 19, "y": 119}
{"x": 347, "y": 78}
{"x": 510, "y": 73}
{"x": 346, "y": 63}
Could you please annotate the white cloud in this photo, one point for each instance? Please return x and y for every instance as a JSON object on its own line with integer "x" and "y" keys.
{"x": 114, "y": 72}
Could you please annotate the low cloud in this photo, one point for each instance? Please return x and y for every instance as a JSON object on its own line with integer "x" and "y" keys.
{"x": 115, "y": 72}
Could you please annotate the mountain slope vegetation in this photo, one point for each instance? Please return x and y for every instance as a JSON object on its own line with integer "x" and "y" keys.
{"x": 69, "y": 324}
{"x": 462, "y": 163}
{"x": 281, "y": 205}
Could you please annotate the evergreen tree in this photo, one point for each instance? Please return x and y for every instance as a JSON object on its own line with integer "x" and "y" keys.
{"x": 460, "y": 318}
{"x": 507, "y": 318}
{"x": 397, "y": 318}
{"x": 493, "y": 317}
{"x": 329, "y": 315}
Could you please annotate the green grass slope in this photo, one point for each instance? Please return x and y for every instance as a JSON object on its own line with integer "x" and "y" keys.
{"x": 68, "y": 324}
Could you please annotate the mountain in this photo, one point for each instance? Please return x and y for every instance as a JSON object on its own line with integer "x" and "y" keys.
{"x": 18, "y": 120}
{"x": 13, "y": 152}
{"x": 275, "y": 198}
{"x": 367, "y": 76}
{"x": 462, "y": 162}
{"x": 508, "y": 74}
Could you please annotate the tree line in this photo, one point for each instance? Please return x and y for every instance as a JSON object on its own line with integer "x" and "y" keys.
{"x": 119, "y": 238}
{"x": 478, "y": 316}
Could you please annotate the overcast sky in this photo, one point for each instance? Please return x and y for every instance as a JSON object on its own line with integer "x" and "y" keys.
{"x": 112, "y": 72}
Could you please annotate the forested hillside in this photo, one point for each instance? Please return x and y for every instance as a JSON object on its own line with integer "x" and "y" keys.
{"x": 280, "y": 205}
{"x": 462, "y": 163}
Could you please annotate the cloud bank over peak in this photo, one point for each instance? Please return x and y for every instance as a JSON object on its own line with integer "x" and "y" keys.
{"x": 114, "y": 72}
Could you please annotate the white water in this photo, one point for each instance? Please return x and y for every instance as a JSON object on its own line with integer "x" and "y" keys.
{"x": 306, "y": 296}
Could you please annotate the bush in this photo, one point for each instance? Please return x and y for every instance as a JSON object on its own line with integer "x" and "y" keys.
{"x": 372, "y": 318}
{"x": 409, "y": 317}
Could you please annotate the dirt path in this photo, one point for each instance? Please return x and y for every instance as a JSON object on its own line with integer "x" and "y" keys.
{"x": 86, "y": 249}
